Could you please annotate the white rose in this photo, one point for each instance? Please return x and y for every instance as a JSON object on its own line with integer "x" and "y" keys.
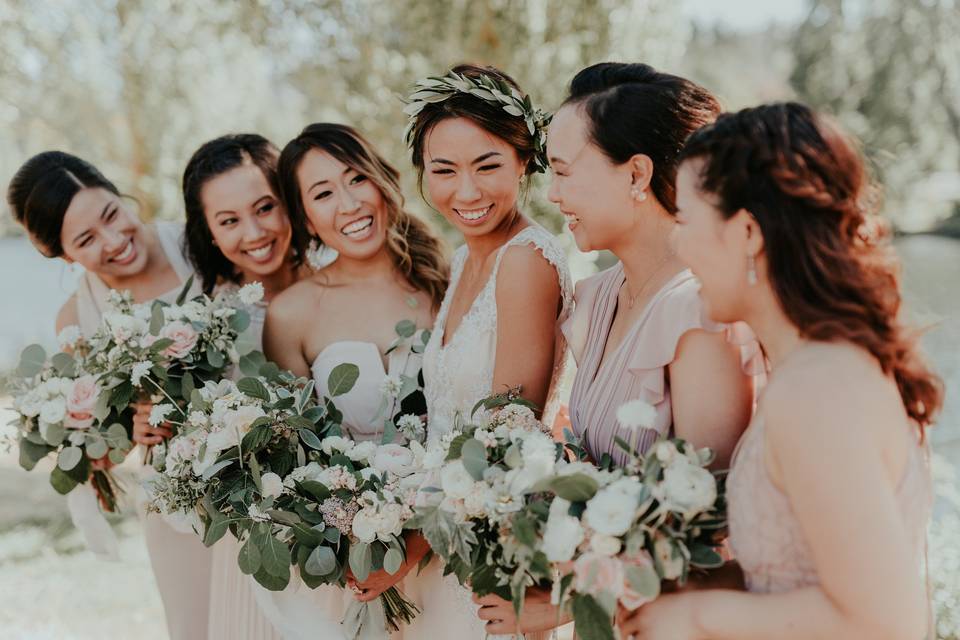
{"x": 610, "y": 512}
{"x": 671, "y": 563}
{"x": 688, "y": 488}
{"x": 336, "y": 443}
{"x": 271, "y": 485}
{"x": 390, "y": 523}
{"x": 53, "y": 411}
{"x": 362, "y": 451}
{"x": 221, "y": 440}
{"x": 605, "y": 545}
{"x": 240, "y": 419}
{"x": 455, "y": 480}
{"x": 364, "y": 525}
{"x": 561, "y": 537}
{"x": 394, "y": 459}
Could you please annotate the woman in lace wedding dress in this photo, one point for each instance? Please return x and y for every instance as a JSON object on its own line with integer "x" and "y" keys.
{"x": 497, "y": 326}
{"x": 390, "y": 269}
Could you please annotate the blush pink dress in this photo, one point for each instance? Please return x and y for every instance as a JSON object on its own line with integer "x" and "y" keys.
{"x": 637, "y": 368}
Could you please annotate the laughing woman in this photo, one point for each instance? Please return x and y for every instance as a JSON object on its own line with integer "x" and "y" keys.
{"x": 72, "y": 212}
{"x": 829, "y": 492}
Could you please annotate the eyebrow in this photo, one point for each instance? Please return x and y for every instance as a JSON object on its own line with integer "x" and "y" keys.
{"x": 479, "y": 159}
{"x": 103, "y": 214}
{"x": 319, "y": 182}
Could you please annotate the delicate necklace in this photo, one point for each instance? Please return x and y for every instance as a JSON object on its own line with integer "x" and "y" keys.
{"x": 632, "y": 299}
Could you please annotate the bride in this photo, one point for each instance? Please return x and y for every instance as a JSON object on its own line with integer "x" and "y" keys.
{"x": 390, "y": 268}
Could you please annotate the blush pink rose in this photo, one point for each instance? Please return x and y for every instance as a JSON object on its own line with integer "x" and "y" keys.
{"x": 184, "y": 338}
{"x": 81, "y": 401}
{"x": 595, "y": 574}
{"x": 630, "y": 598}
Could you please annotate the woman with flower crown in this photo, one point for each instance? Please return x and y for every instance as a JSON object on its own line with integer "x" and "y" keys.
{"x": 476, "y": 139}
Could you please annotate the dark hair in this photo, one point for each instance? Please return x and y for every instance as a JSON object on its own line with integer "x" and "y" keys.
{"x": 209, "y": 161}
{"x": 41, "y": 192}
{"x": 488, "y": 115}
{"x": 635, "y": 109}
{"x": 415, "y": 250}
{"x": 828, "y": 252}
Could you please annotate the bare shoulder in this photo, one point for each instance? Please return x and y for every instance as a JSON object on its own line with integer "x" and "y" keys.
{"x": 295, "y": 302}
{"x": 68, "y": 315}
{"x": 524, "y": 269}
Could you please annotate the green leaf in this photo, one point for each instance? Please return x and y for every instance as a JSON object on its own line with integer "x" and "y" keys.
{"x": 591, "y": 622}
{"x": 406, "y": 328}
{"x": 275, "y": 557}
{"x": 69, "y": 458}
{"x": 32, "y": 359}
{"x": 116, "y": 456}
{"x": 53, "y": 433}
{"x": 215, "y": 357}
{"x": 96, "y": 446}
{"x": 121, "y": 395}
{"x": 310, "y": 439}
{"x": 65, "y": 365}
{"x": 250, "y": 363}
{"x": 102, "y": 409}
{"x": 393, "y": 560}
{"x": 525, "y": 530}
{"x": 182, "y": 296}
{"x": 705, "y": 557}
{"x": 474, "y": 457}
{"x": 271, "y": 582}
{"x": 317, "y": 489}
{"x": 361, "y": 560}
{"x": 256, "y": 438}
{"x": 576, "y": 487}
{"x": 286, "y": 517}
{"x": 156, "y": 318}
{"x": 187, "y": 385}
{"x": 456, "y": 445}
{"x": 643, "y": 579}
{"x": 249, "y": 557}
{"x": 321, "y": 561}
{"x": 60, "y": 481}
{"x": 299, "y": 422}
{"x": 253, "y": 388}
{"x": 342, "y": 379}
{"x": 116, "y": 436}
{"x": 31, "y": 453}
{"x": 239, "y": 321}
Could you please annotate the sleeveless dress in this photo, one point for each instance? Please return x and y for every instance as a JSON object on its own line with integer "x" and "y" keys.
{"x": 637, "y": 369}
{"x": 457, "y": 375}
{"x": 181, "y": 564}
{"x": 235, "y": 613}
{"x": 765, "y": 535}
{"x": 298, "y": 612}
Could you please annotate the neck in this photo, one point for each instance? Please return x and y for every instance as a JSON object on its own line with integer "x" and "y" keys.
{"x": 273, "y": 283}
{"x": 778, "y": 336}
{"x": 481, "y": 247}
{"x": 648, "y": 253}
{"x": 350, "y": 270}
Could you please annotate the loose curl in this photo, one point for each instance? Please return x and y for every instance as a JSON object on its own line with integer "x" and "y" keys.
{"x": 415, "y": 250}
{"x": 828, "y": 252}
{"x": 212, "y": 159}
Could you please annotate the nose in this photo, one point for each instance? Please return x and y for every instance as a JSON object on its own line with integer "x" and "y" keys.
{"x": 252, "y": 229}
{"x": 347, "y": 203}
{"x": 113, "y": 240}
{"x": 467, "y": 190}
{"x": 553, "y": 192}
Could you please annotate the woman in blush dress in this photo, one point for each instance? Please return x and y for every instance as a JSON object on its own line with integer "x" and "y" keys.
{"x": 390, "y": 268}
{"x": 829, "y": 492}
{"x": 238, "y": 233}
{"x": 71, "y": 211}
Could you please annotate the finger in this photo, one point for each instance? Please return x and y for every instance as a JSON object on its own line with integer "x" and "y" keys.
{"x": 490, "y": 613}
{"x": 491, "y": 599}
{"x": 368, "y": 595}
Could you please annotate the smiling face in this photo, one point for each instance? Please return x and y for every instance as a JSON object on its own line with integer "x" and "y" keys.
{"x": 344, "y": 207}
{"x": 247, "y": 221}
{"x": 473, "y": 176}
{"x": 591, "y": 191}
{"x": 100, "y": 234}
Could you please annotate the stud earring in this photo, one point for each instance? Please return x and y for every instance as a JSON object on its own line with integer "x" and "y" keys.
{"x": 637, "y": 194}
{"x": 751, "y": 270}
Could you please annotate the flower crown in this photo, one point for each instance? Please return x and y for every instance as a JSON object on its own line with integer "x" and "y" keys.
{"x": 433, "y": 89}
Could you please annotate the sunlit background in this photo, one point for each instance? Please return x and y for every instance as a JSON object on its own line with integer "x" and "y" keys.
{"x": 135, "y": 86}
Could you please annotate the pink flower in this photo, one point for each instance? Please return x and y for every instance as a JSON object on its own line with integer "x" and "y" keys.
{"x": 81, "y": 401}
{"x": 630, "y": 598}
{"x": 184, "y": 338}
{"x": 595, "y": 574}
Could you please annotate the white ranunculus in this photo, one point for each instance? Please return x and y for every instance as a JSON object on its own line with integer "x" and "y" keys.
{"x": 362, "y": 451}
{"x": 605, "y": 545}
{"x": 271, "y": 484}
{"x": 54, "y": 410}
{"x": 561, "y": 537}
{"x": 688, "y": 488}
{"x": 539, "y": 457}
{"x": 610, "y": 512}
{"x": 455, "y": 480}
{"x": 394, "y": 459}
{"x": 636, "y": 414}
{"x": 629, "y": 486}
{"x": 336, "y": 443}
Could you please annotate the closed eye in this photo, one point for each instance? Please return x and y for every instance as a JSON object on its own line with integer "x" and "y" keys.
{"x": 322, "y": 195}
{"x": 442, "y": 171}
{"x": 266, "y": 208}
{"x": 490, "y": 167}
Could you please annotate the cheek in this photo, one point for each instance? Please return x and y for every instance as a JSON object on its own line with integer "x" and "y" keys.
{"x": 321, "y": 216}
{"x": 227, "y": 238}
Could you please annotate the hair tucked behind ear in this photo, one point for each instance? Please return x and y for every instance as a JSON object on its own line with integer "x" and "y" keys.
{"x": 416, "y": 252}
{"x": 828, "y": 252}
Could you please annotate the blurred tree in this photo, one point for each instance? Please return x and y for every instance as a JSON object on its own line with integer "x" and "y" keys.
{"x": 890, "y": 71}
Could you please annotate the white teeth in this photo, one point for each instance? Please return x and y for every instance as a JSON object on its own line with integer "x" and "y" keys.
{"x": 261, "y": 252}
{"x": 473, "y": 214}
{"x": 123, "y": 255}
{"x": 571, "y": 218}
{"x": 358, "y": 226}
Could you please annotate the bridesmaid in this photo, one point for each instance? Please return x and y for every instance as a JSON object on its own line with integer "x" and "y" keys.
{"x": 237, "y": 233}
{"x": 639, "y": 329}
{"x": 390, "y": 268}
{"x": 71, "y": 211}
{"x": 829, "y": 494}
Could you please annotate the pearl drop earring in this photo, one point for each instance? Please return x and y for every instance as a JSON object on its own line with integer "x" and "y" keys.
{"x": 751, "y": 270}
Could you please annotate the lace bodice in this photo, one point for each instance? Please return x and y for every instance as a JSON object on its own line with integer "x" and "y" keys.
{"x": 460, "y": 373}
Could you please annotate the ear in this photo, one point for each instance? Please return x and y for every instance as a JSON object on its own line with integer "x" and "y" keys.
{"x": 749, "y": 229}
{"x": 641, "y": 171}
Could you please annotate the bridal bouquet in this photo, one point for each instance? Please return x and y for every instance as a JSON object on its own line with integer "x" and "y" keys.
{"x": 490, "y": 500}
{"x": 164, "y": 351}
{"x": 63, "y": 408}
{"x": 626, "y": 530}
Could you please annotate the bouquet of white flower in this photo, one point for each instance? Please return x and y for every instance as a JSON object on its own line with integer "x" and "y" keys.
{"x": 164, "y": 351}
{"x": 489, "y": 499}
{"x": 61, "y": 407}
{"x": 626, "y": 530}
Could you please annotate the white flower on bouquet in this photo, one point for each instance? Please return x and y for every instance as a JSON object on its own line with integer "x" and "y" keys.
{"x": 195, "y": 311}
{"x": 455, "y": 480}
{"x": 197, "y": 419}
{"x": 563, "y": 533}
{"x": 435, "y": 456}
{"x": 159, "y": 413}
{"x": 477, "y": 503}
{"x": 411, "y": 427}
{"x": 665, "y": 451}
{"x": 29, "y": 404}
{"x": 385, "y": 523}
{"x": 184, "y": 338}
{"x": 240, "y": 419}
{"x": 271, "y": 484}
{"x": 688, "y": 488}
{"x": 539, "y": 458}
{"x": 139, "y": 371}
{"x": 53, "y": 410}
{"x": 394, "y": 459}
{"x": 605, "y": 545}
{"x": 251, "y": 293}
{"x": 391, "y": 386}
{"x": 636, "y": 414}
{"x": 610, "y": 512}
{"x": 81, "y": 401}
{"x": 362, "y": 451}
{"x": 257, "y": 514}
{"x": 516, "y": 416}
{"x": 124, "y": 327}
{"x": 68, "y": 337}
{"x": 336, "y": 443}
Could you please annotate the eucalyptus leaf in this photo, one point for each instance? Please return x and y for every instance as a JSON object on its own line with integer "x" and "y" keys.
{"x": 32, "y": 359}
{"x": 342, "y": 379}
{"x": 392, "y": 561}
{"x": 474, "y": 457}
{"x": 310, "y": 439}
{"x": 249, "y": 557}
{"x": 53, "y": 433}
{"x": 321, "y": 561}
{"x": 69, "y": 458}
{"x": 361, "y": 560}
{"x": 96, "y": 446}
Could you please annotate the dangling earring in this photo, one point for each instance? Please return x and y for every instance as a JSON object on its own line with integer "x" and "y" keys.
{"x": 637, "y": 194}
{"x": 751, "y": 270}
{"x": 319, "y": 255}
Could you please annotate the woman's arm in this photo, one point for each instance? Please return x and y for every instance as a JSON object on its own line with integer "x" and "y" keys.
{"x": 528, "y": 300}
{"x": 283, "y": 333}
{"x": 711, "y": 396}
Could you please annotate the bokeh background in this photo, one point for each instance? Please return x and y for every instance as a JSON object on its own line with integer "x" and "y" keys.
{"x": 136, "y": 85}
